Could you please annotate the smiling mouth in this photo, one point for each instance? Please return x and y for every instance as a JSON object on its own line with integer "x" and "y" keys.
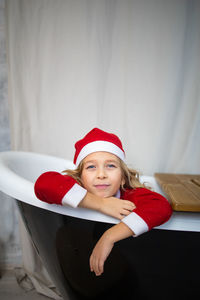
{"x": 102, "y": 186}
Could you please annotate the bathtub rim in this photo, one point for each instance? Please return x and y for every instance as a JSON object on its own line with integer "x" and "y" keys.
{"x": 184, "y": 221}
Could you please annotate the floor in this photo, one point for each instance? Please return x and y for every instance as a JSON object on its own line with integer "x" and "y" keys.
{"x": 10, "y": 290}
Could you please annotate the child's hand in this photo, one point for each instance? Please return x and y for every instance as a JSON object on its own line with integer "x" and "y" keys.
{"x": 116, "y": 208}
{"x": 105, "y": 244}
{"x": 100, "y": 254}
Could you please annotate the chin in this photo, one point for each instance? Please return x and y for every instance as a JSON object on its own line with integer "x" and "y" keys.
{"x": 105, "y": 195}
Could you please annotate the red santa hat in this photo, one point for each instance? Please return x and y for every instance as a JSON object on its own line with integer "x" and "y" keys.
{"x": 98, "y": 140}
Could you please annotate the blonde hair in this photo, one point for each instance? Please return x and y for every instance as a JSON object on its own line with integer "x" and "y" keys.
{"x": 129, "y": 176}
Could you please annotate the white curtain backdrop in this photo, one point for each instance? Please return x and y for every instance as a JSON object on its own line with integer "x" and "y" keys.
{"x": 131, "y": 67}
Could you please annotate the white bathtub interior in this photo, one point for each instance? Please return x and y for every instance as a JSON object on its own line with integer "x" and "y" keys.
{"x": 30, "y": 165}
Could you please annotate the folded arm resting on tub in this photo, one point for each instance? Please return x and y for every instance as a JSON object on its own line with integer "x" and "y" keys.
{"x": 143, "y": 210}
{"x": 55, "y": 188}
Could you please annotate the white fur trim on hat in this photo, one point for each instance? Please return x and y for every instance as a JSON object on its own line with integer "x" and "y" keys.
{"x": 99, "y": 146}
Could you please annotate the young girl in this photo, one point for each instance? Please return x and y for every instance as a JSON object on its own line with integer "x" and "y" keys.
{"x": 103, "y": 182}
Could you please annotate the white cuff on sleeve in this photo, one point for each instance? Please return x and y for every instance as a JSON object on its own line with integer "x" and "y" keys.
{"x": 74, "y": 196}
{"x": 135, "y": 223}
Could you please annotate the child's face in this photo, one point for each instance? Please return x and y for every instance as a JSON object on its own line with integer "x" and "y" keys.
{"x": 101, "y": 174}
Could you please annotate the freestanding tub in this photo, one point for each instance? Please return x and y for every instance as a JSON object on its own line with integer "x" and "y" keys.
{"x": 161, "y": 264}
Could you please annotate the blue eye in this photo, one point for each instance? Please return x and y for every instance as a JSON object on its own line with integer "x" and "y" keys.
{"x": 111, "y": 166}
{"x": 90, "y": 167}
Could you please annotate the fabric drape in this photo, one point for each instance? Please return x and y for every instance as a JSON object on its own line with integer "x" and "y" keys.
{"x": 129, "y": 67}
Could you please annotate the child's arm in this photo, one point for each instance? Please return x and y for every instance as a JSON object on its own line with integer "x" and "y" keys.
{"x": 111, "y": 206}
{"x": 152, "y": 209}
{"x": 55, "y": 188}
{"x": 105, "y": 245}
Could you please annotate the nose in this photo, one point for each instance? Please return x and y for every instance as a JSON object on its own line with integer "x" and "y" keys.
{"x": 101, "y": 174}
